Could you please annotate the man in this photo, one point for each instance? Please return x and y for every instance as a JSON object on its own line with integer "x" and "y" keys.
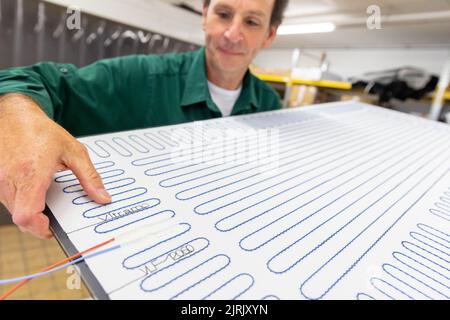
{"x": 41, "y": 104}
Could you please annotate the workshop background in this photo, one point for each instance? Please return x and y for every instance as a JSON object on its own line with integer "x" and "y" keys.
{"x": 398, "y": 62}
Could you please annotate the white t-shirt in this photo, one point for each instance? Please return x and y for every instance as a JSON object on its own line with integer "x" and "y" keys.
{"x": 224, "y": 99}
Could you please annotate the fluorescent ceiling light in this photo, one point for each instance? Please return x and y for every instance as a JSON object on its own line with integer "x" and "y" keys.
{"x": 306, "y": 28}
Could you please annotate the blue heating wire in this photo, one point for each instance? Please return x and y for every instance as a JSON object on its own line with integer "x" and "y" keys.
{"x": 41, "y": 274}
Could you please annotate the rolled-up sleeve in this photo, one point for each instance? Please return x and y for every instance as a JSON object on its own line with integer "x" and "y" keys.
{"x": 94, "y": 99}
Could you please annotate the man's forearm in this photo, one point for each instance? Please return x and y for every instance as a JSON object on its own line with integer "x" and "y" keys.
{"x": 40, "y": 82}
{"x": 17, "y": 102}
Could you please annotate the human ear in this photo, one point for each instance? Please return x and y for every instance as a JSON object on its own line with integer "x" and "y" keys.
{"x": 271, "y": 36}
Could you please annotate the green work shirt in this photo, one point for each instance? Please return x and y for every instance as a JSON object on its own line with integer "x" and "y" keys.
{"x": 130, "y": 92}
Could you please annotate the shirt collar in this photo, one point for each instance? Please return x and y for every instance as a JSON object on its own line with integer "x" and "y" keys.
{"x": 196, "y": 88}
{"x": 247, "y": 99}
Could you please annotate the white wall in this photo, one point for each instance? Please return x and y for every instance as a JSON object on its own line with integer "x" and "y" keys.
{"x": 354, "y": 62}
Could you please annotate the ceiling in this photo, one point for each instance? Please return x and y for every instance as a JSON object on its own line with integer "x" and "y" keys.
{"x": 404, "y": 23}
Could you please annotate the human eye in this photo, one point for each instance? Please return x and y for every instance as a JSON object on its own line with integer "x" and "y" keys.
{"x": 224, "y": 15}
{"x": 252, "y": 22}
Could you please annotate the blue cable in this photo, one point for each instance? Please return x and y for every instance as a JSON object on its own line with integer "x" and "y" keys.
{"x": 40, "y": 274}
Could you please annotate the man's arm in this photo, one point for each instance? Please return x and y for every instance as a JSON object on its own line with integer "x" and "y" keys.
{"x": 39, "y": 106}
{"x": 109, "y": 95}
{"x": 32, "y": 148}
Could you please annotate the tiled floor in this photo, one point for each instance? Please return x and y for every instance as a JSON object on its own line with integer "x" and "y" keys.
{"x": 22, "y": 254}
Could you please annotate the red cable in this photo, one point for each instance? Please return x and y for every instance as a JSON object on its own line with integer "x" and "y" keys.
{"x": 20, "y": 284}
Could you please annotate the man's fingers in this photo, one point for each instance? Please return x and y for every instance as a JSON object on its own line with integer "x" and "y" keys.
{"x": 6, "y": 196}
{"x": 28, "y": 205}
{"x": 37, "y": 224}
{"x": 26, "y": 202}
{"x": 77, "y": 159}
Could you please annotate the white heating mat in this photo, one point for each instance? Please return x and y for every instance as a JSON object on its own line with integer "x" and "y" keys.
{"x": 334, "y": 201}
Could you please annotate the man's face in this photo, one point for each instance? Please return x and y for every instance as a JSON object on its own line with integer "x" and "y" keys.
{"x": 235, "y": 31}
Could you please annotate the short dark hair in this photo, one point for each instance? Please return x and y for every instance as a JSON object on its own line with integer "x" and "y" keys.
{"x": 277, "y": 12}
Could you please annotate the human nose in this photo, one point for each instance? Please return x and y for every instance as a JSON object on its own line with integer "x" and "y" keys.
{"x": 234, "y": 32}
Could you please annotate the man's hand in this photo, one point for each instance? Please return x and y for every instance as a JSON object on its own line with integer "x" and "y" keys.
{"x": 32, "y": 148}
